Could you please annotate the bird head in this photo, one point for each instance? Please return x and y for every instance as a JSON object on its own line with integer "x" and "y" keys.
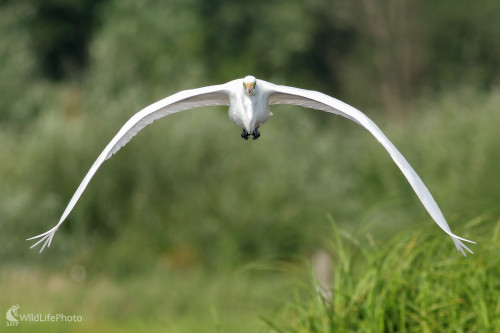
{"x": 249, "y": 84}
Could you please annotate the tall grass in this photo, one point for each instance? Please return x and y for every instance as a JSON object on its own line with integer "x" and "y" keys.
{"x": 412, "y": 283}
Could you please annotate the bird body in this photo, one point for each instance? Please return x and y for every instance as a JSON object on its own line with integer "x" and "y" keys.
{"x": 249, "y": 100}
{"x": 248, "y": 108}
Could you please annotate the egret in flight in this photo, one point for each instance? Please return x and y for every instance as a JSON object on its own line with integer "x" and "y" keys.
{"x": 249, "y": 100}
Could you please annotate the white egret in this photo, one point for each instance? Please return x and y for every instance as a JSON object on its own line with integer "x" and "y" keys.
{"x": 249, "y": 100}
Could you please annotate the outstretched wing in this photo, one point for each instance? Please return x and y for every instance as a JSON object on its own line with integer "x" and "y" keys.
{"x": 316, "y": 100}
{"x": 184, "y": 100}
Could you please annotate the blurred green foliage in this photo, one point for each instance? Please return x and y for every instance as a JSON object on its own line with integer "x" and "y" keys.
{"x": 409, "y": 284}
{"x": 181, "y": 185}
{"x": 188, "y": 194}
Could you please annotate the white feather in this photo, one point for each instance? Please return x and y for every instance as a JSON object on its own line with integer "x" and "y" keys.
{"x": 249, "y": 110}
{"x": 319, "y": 101}
{"x": 184, "y": 100}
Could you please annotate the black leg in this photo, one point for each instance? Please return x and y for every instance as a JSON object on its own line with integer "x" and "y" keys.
{"x": 245, "y": 134}
{"x": 256, "y": 134}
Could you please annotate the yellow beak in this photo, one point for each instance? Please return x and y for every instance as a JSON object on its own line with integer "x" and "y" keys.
{"x": 249, "y": 86}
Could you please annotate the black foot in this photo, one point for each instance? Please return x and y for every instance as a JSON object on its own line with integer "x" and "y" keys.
{"x": 245, "y": 134}
{"x": 256, "y": 134}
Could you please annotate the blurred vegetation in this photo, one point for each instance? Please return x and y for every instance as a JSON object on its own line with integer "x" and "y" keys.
{"x": 187, "y": 192}
{"x": 409, "y": 284}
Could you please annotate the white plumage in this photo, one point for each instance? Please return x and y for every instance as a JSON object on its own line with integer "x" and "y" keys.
{"x": 249, "y": 100}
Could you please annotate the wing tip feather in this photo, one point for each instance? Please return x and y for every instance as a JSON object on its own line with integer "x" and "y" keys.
{"x": 45, "y": 238}
{"x": 461, "y": 246}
